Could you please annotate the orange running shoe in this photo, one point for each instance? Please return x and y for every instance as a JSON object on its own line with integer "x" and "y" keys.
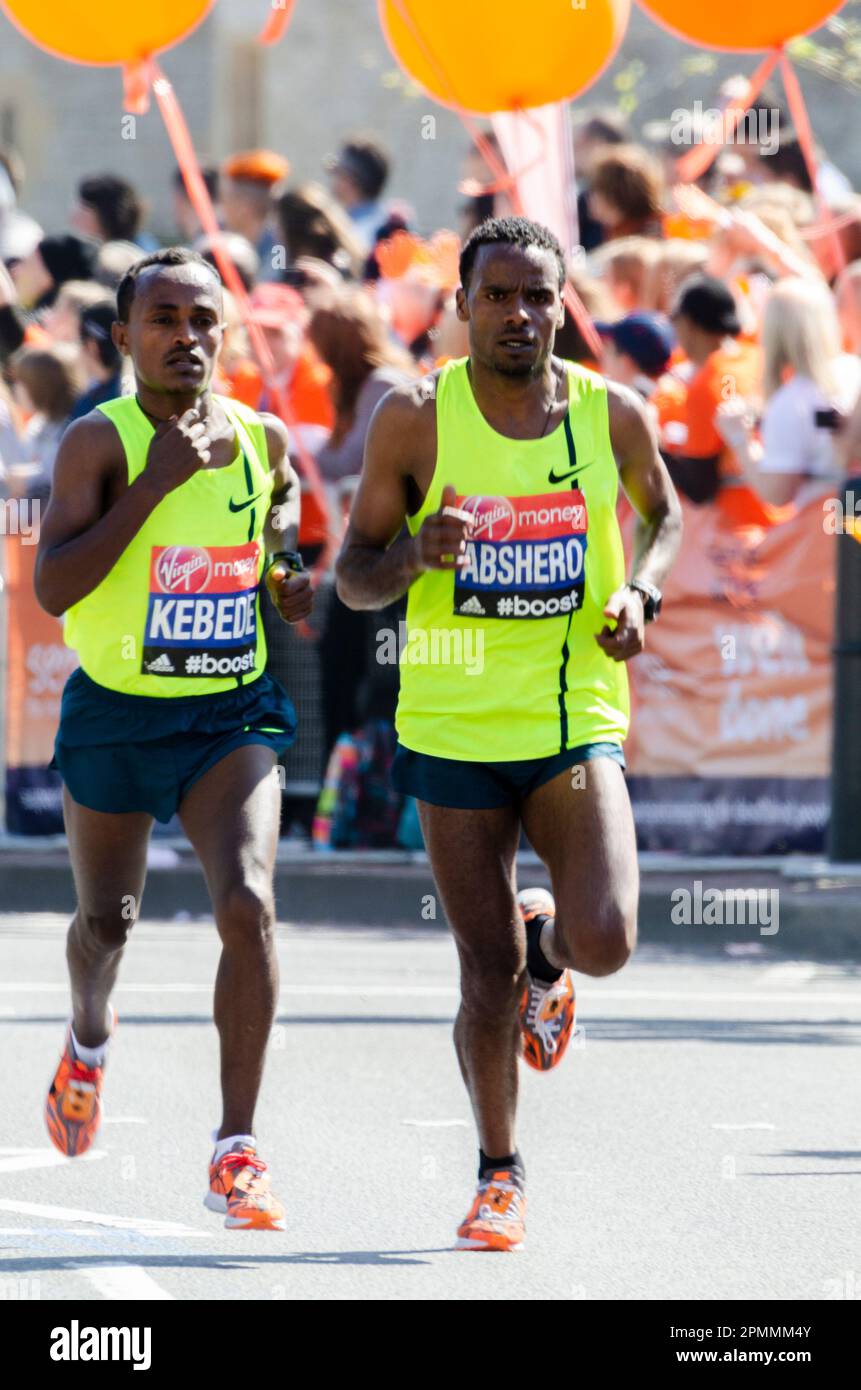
{"x": 495, "y": 1219}
{"x": 546, "y": 1010}
{"x": 239, "y": 1187}
{"x": 73, "y": 1110}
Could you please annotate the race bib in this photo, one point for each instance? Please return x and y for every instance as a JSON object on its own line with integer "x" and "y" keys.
{"x": 526, "y": 557}
{"x": 202, "y": 614}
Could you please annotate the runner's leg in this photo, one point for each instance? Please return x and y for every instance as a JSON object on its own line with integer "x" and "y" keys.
{"x": 472, "y": 854}
{"x": 231, "y": 816}
{"x": 586, "y": 837}
{"x": 108, "y": 854}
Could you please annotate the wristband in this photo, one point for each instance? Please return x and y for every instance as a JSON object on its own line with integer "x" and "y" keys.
{"x": 291, "y": 558}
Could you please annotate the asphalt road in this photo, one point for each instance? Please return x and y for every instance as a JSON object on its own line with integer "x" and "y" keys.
{"x": 702, "y": 1143}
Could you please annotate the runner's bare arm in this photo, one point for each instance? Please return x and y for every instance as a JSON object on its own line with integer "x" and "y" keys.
{"x": 659, "y": 520}
{"x": 289, "y": 590}
{"x": 647, "y": 485}
{"x": 281, "y": 531}
{"x": 81, "y": 540}
{"x": 84, "y": 534}
{"x": 374, "y": 568}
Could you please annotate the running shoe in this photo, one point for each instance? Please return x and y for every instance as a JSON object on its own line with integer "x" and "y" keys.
{"x": 73, "y": 1110}
{"x": 239, "y": 1187}
{"x": 495, "y": 1219}
{"x": 546, "y": 1010}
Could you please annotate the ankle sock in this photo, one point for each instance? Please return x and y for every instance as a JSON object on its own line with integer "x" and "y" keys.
{"x": 223, "y": 1146}
{"x": 92, "y": 1056}
{"x": 486, "y": 1165}
{"x": 537, "y": 963}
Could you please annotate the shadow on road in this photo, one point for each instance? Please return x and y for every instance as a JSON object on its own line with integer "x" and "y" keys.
{"x": 44, "y": 1263}
{"x": 773, "y": 1031}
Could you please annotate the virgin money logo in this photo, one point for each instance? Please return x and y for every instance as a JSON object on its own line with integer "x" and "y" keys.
{"x": 493, "y": 517}
{"x": 183, "y": 569}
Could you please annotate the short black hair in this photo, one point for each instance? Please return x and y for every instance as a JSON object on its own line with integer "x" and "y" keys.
{"x": 96, "y": 322}
{"x": 209, "y": 174}
{"x": 509, "y": 231}
{"x": 169, "y": 256}
{"x": 115, "y": 203}
{"x": 709, "y": 304}
{"x": 367, "y": 163}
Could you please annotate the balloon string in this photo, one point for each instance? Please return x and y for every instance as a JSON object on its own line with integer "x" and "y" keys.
{"x": 801, "y": 121}
{"x": 201, "y": 202}
{"x": 276, "y": 25}
{"x": 573, "y": 302}
{"x": 694, "y": 164}
{"x": 834, "y": 224}
{"x": 508, "y": 182}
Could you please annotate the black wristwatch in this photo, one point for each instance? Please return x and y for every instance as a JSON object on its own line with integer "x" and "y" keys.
{"x": 652, "y": 598}
{"x": 291, "y": 558}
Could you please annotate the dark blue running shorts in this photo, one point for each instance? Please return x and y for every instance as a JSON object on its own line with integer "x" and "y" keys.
{"x": 120, "y": 752}
{"x": 484, "y": 786}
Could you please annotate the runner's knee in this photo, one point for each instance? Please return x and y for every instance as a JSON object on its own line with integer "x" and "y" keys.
{"x": 245, "y": 911}
{"x": 103, "y": 930}
{"x": 603, "y": 946}
{"x": 491, "y": 984}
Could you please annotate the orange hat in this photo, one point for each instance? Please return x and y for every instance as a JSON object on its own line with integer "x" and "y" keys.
{"x": 263, "y": 166}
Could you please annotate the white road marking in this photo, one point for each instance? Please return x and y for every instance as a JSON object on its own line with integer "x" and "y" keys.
{"x": 125, "y": 1282}
{"x": 21, "y": 1160}
{"x": 754, "y": 1124}
{"x": 123, "y": 1120}
{"x": 142, "y": 1224}
{"x": 42, "y": 1231}
{"x": 436, "y": 1124}
{"x": 789, "y": 972}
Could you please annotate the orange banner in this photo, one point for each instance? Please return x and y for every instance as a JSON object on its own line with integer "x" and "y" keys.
{"x": 731, "y": 700}
{"x": 38, "y": 665}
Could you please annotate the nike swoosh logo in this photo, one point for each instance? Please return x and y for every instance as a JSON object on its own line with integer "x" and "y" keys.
{"x": 554, "y": 477}
{"x": 240, "y": 506}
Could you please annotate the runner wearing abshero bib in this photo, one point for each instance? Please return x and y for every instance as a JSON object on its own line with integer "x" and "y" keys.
{"x": 505, "y": 466}
{"x": 154, "y": 547}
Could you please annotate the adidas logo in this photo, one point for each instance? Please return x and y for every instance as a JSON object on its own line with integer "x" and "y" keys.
{"x": 162, "y": 665}
{"x": 472, "y": 605}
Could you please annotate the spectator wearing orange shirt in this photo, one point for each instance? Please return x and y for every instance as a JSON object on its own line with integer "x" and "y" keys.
{"x": 302, "y": 381}
{"x": 702, "y": 466}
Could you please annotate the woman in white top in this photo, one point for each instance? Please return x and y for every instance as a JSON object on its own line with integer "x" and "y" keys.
{"x": 808, "y": 384}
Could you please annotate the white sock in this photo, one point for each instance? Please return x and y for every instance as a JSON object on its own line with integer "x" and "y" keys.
{"x": 92, "y": 1056}
{"x": 223, "y": 1146}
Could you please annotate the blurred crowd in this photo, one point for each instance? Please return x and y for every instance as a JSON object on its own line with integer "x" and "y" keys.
{"x": 732, "y": 305}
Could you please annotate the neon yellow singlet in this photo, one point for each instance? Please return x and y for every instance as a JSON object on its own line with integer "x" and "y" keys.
{"x": 179, "y": 613}
{"x": 501, "y": 662}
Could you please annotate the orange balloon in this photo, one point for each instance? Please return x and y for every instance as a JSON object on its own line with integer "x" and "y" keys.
{"x": 106, "y": 31}
{"x": 496, "y": 55}
{"x": 741, "y": 26}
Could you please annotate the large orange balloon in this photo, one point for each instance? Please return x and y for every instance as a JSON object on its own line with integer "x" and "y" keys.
{"x": 741, "y": 26}
{"x": 495, "y": 55}
{"x": 106, "y": 31}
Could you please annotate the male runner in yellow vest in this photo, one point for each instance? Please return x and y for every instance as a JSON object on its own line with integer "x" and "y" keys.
{"x": 153, "y": 548}
{"x": 514, "y": 701}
